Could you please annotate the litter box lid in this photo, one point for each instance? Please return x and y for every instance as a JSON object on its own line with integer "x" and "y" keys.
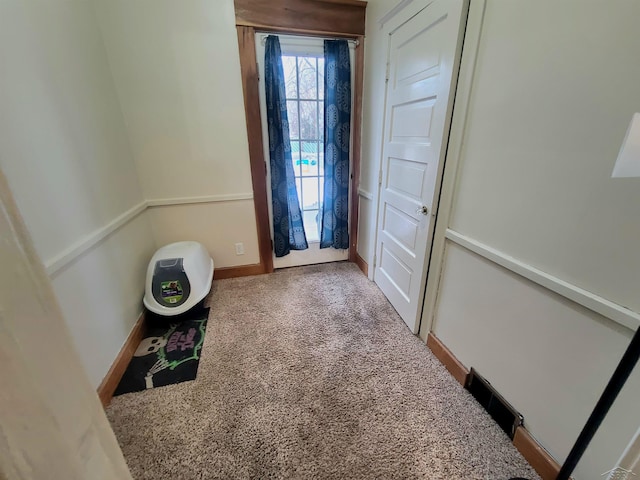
{"x": 179, "y": 275}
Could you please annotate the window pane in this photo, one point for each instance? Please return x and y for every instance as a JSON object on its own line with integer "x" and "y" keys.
{"x": 321, "y": 78}
{"x": 299, "y": 190}
{"x": 311, "y": 220}
{"x": 292, "y": 115}
{"x": 290, "y": 80}
{"x": 295, "y": 158}
{"x": 307, "y": 77}
{"x": 321, "y": 121}
{"x": 309, "y": 158}
{"x": 310, "y": 193}
{"x": 308, "y": 120}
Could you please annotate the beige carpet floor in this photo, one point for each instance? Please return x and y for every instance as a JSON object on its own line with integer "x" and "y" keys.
{"x": 310, "y": 373}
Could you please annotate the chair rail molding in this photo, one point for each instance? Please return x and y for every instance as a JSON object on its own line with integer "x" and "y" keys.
{"x": 365, "y": 194}
{"x": 231, "y": 197}
{"x": 56, "y": 263}
{"x": 86, "y": 243}
{"x": 617, "y": 313}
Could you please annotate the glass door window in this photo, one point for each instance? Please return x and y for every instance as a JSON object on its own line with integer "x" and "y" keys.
{"x": 304, "y": 79}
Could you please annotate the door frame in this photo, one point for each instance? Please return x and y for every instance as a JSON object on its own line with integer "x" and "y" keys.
{"x": 320, "y": 19}
{"x": 443, "y": 202}
{"x": 457, "y": 133}
{"x": 298, "y": 44}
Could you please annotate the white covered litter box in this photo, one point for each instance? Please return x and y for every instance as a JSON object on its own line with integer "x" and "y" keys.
{"x": 178, "y": 277}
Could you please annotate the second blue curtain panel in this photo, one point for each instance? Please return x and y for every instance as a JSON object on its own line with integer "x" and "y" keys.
{"x": 337, "y": 124}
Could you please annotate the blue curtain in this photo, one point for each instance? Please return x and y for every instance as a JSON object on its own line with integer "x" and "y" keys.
{"x": 337, "y": 118}
{"x": 288, "y": 229}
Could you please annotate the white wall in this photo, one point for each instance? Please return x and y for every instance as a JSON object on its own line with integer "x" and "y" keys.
{"x": 554, "y": 88}
{"x": 65, "y": 152}
{"x": 177, "y": 71}
{"x": 218, "y": 227}
{"x": 101, "y": 294}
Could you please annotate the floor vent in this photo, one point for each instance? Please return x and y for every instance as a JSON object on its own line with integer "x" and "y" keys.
{"x": 500, "y": 410}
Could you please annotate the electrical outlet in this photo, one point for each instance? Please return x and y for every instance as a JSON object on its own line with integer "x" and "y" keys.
{"x": 239, "y": 248}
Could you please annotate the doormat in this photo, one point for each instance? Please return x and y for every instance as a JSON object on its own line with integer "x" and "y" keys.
{"x": 169, "y": 353}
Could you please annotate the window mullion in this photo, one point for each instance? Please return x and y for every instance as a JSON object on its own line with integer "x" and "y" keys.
{"x": 318, "y": 136}
{"x": 299, "y": 134}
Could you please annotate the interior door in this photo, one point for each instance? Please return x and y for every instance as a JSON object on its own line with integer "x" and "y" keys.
{"x": 422, "y": 69}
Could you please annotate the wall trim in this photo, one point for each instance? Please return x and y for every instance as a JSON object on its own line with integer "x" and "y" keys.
{"x": 356, "y": 148}
{"x": 58, "y": 262}
{"x": 341, "y": 17}
{"x": 231, "y": 197}
{"x": 364, "y": 194}
{"x": 86, "y": 243}
{"x": 593, "y": 302}
{"x": 362, "y": 265}
{"x": 114, "y": 375}
{"x": 539, "y": 459}
{"x": 448, "y": 359}
{"x": 239, "y": 271}
{"x": 257, "y": 160}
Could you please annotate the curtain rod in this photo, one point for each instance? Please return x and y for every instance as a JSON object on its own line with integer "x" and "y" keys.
{"x": 355, "y": 41}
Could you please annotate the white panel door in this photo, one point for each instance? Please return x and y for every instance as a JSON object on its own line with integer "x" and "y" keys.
{"x": 420, "y": 88}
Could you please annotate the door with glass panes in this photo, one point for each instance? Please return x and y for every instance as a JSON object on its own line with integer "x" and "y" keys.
{"x": 303, "y": 65}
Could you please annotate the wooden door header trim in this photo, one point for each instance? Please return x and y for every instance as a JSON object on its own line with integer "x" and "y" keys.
{"x": 335, "y": 17}
{"x": 358, "y": 3}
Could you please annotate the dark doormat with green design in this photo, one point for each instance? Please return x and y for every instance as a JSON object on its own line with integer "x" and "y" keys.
{"x": 169, "y": 353}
